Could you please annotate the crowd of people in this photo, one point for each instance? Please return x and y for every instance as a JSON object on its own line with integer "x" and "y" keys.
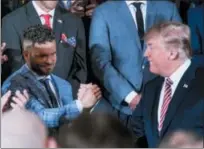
{"x": 96, "y": 73}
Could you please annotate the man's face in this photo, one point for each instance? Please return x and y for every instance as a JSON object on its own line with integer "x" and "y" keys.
{"x": 49, "y": 4}
{"x": 157, "y": 55}
{"x": 42, "y": 58}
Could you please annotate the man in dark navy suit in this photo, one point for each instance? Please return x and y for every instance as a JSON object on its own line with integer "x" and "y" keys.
{"x": 174, "y": 100}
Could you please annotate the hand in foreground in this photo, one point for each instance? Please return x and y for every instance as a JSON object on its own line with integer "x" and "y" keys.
{"x": 18, "y": 101}
{"x": 4, "y": 58}
{"x": 135, "y": 102}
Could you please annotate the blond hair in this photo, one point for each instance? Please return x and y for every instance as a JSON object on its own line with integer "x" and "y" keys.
{"x": 175, "y": 35}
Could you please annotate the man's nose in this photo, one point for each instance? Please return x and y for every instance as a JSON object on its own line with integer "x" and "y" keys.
{"x": 146, "y": 53}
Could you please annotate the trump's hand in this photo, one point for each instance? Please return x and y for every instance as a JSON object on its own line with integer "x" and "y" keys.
{"x": 4, "y": 58}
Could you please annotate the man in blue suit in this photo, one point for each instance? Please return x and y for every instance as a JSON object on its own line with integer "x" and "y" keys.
{"x": 174, "y": 100}
{"x": 117, "y": 47}
{"x": 50, "y": 96}
{"x": 196, "y": 24}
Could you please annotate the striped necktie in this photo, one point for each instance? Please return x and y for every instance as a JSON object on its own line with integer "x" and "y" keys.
{"x": 166, "y": 101}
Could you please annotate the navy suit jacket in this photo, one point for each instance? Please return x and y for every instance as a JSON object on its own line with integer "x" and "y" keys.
{"x": 115, "y": 49}
{"x": 71, "y": 63}
{"x": 196, "y": 24}
{"x": 186, "y": 109}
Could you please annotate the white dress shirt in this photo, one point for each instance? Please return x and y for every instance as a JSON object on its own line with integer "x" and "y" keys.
{"x": 133, "y": 10}
{"x": 175, "y": 78}
{"x": 41, "y": 12}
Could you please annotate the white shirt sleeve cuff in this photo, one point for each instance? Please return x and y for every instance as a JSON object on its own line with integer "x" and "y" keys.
{"x": 79, "y": 105}
{"x": 130, "y": 96}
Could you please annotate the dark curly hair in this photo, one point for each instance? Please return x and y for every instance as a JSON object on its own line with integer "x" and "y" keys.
{"x": 37, "y": 34}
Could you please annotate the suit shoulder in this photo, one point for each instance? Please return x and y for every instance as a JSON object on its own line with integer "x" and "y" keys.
{"x": 153, "y": 82}
{"x": 16, "y": 14}
{"x": 106, "y": 6}
{"x": 9, "y": 79}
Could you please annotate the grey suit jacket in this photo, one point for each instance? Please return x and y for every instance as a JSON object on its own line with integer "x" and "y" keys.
{"x": 71, "y": 63}
{"x": 115, "y": 48}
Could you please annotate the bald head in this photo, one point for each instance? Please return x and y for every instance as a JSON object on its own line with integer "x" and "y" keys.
{"x": 22, "y": 129}
{"x": 182, "y": 139}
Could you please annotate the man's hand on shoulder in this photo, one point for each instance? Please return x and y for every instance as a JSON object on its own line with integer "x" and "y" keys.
{"x": 18, "y": 101}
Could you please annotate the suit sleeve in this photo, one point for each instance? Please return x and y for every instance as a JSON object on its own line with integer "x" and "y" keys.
{"x": 51, "y": 116}
{"x": 102, "y": 59}
{"x": 137, "y": 123}
{"x": 78, "y": 72}
{"x": 13, "y": 46}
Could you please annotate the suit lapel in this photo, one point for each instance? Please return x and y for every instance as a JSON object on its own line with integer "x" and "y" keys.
{"x": 37, "y": 87}
{"x": 57, "y": 24}
{"x": 32, "y": 15}
{"x": 128, "y": 21}
{"x": 155, "y": 94}
{"x": 182, "y": 89}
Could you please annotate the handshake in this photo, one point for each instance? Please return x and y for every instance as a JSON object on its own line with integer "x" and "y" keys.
{"x": 88, "y": 95}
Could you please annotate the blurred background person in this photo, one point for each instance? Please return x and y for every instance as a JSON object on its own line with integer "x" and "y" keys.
{"x": 182, "y": 139}
{"x": 196, "y": 24}
{"x": 4, "y": 57}
{"x": 83, "y": 9}
{"x": 23, "y": 129}
{"x": 94, "y": 131}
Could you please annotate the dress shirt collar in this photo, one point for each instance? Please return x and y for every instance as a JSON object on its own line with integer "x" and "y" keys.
{"x": 176, "y": 76}
{"x": 134, "y": 1}
{"x": 40, "y": 11}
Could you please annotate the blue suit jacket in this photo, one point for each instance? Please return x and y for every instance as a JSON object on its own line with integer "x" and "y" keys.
{"x": 196, "y": 24}
{"x": 186, "y": 109}
{"x": 39, "y": 97}
{"x": 115, "y": 48}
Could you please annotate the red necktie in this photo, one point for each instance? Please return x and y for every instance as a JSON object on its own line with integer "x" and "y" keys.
{"x": 46, "y": 18}
{"x": 166, "y": 101}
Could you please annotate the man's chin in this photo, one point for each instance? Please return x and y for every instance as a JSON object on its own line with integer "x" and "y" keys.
{"x": 152, "y": 70}
{"x": 44, "y": 73}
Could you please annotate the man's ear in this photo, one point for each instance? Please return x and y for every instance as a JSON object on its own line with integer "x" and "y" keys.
{"x": 26, "y": 54}
{"x": 173, "y": 54}
{"x": 50, "y": 143}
